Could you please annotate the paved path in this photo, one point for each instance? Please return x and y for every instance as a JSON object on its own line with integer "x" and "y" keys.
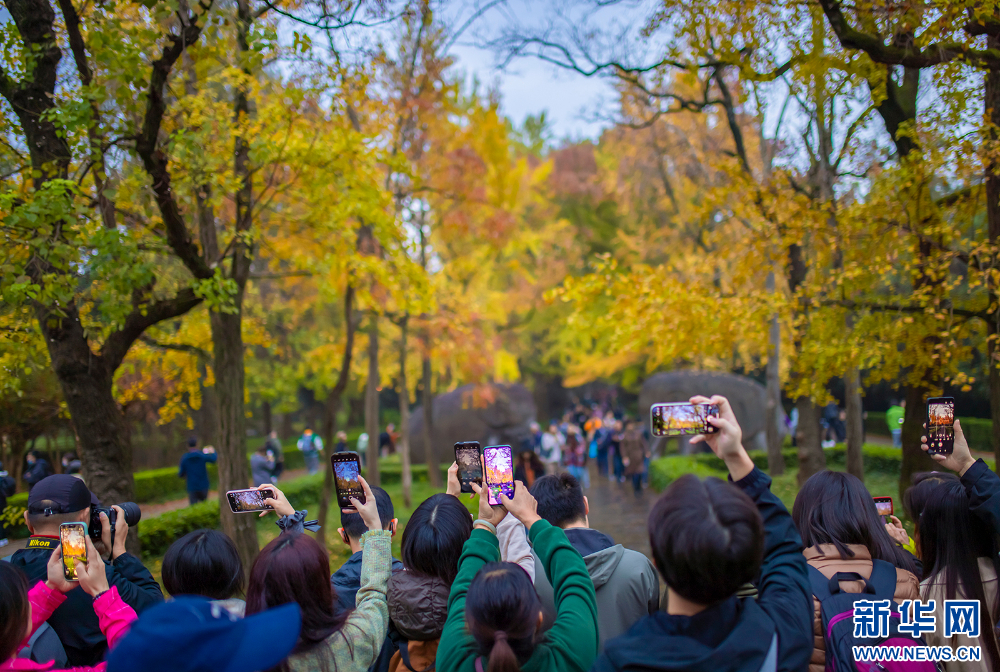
{"x": 617, "y": 512}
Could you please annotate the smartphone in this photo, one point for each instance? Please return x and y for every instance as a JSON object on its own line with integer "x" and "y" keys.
{"x": 347, "y": 472}
{"x": 883, "y": 505}
{"x": 251, "y": 499}
{"x": 940, "y": 425}
{"x": 73, "y": 537}
{"x": 682, "y": 419}
{"x": 499, "y": 473}
{"x": 470, "y": 464}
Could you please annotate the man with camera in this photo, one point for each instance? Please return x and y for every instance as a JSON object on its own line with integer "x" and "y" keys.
{"x": 64, "y": 499}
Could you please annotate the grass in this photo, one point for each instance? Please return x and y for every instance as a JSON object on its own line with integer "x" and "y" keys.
{"x": 339, "y": 551}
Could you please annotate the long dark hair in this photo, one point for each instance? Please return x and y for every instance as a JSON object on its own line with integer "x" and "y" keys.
{"x": 952, "y": 540}
{"x": 434, "y": 537}
{"x": 917, "y": 495}
{"x": 13, "y": 610}
{"x": 501, "y": 610}
{"x": 203, "y": 562}
{"x": 295, "y": 568}
{"x": 834, "y": 507}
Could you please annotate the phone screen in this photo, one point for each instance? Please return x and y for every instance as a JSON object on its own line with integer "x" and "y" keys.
{"x": 73, "y": 537}
{"x": 940, "y": 425}
{"x": 242, "y": 501}
{"x": 682, "y": 419}
{"x": 470, "y": 466}
{"x": 883, "y": 505}
{"x": 499, "y": 473}
{"x": 347, "y": 470}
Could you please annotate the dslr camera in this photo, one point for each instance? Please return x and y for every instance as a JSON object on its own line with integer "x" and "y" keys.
{"x": 132, "y": 516}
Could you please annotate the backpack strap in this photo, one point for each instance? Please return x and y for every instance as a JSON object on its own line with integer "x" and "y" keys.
{"x": 404, "y": 654}
{"x": 883, "y": 578}
{"x": 824, "y": 588}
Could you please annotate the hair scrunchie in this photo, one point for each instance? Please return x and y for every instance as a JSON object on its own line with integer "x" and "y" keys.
{"x": 499, "y": 635}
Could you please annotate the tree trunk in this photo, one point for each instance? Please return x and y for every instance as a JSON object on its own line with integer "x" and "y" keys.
{"x": 914, "y": 460}
{"x": 209, "y": 427}
{"x": 285, "y": 431}
{"x": 775, "y": 461}
{"x": 992, "y": 105}
{"x": 105, "y": 450}
{"x": 371, "y": 403}
{"x": 265, "y": 416}
{"x": 427, "y": 399}
{"x": 234, "y": 468}
{"x": 811, "y": 456}
{"x": 404, "y": 416}
{"x": 855, "y": 423}
{"x": 333, "y": 403}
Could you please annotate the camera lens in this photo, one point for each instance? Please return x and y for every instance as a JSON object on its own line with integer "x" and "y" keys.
{"x": 132, "y": 512}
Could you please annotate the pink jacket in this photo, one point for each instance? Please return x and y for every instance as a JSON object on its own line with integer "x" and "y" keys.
{"x": 115, "y": 616}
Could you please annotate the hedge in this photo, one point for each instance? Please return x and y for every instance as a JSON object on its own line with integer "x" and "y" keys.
{"x": 662, "y": 471}
{"x": 158, "y": 532}
{"x": 978, "y": 431}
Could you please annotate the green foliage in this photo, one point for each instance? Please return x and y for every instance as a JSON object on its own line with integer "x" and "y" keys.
{"x": 877, "y": 459}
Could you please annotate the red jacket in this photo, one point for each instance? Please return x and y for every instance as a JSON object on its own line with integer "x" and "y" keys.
{"x": 115, "y": 616}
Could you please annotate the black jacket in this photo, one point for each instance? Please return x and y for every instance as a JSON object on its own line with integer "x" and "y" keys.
{"x": 74, "y": 620}
{"x": 347, "y": 582}
{"x": 983, "y": 488}
{"x": 736, "y": 634}
{"x": 36, "y": 472}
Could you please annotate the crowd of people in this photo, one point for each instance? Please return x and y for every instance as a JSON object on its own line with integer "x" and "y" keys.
{"x": 527, "y": 586}
{"x": 618, "y": 446}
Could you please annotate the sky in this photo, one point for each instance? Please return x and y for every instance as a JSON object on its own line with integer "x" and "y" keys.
{"x": 573, "y": 102}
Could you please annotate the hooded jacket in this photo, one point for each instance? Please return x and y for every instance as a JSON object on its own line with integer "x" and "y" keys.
{"x": 74, "y": 619}
{"x": 625, "y": 581}
{"x": 739, "y": 634}
{"x": 418, "y": 609}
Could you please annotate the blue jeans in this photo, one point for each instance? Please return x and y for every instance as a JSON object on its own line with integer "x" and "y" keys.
{"x": 602, "y": 461}
{"x": 312, "y": 462}
{"x": 581, "y": 474}
{"x": 897, "y": 438}
{"x": 619, "y": 465}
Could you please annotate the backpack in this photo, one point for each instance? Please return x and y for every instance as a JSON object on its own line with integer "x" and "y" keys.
{"x": 837, "y": 612}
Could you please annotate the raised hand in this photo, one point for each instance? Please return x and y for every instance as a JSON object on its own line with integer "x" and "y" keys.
{"x": 93, "y": 574}
{"x": 727, "y": 443}
{"x": 369, "y": 510}
{"x": 279, "y": 502}
{"x": 491, "y": 514}
{"x": 523, "y": 506}
{"x": 961, "y": 456}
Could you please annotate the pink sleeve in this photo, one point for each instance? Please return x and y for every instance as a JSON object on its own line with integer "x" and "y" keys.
{"x": 43, "y": 601}
{"x": 115, "y": 616}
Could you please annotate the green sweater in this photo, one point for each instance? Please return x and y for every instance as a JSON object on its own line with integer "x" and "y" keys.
{"x": 894, "y": 417}
{"x": 569, "y": 646}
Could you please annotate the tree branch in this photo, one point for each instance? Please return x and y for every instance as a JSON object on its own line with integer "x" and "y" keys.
{"x": 155, "y": 160}
{"x": 141, "y": 318}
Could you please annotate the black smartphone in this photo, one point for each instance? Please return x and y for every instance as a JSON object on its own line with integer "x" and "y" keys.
{"x": 73, "y": 538}
{"x": 347, "y": 472}
{"x": 499, "y": 473}
{"x": 470, "y": 464}
{"x": 682, "y": 419}
{"x": 940, "y": 425}
{"x": 883, "y": 505}
{"x": 251, "y": 499}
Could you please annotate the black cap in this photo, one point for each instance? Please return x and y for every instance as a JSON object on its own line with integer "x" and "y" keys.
{"x": 67, "y": 494}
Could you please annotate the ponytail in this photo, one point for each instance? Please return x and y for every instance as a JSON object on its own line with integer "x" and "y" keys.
{"x": 502, "y": 657}
{"x": 501, "y": 610}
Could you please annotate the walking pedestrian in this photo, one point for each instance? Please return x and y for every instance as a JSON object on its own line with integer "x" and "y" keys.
{"x": 277, "y": 454}
{"x": 311, "y": 446}
{"x": 894, "y": 418}
{"x": 634, "y": 452}
{"x": 38, "y": 468}
{"x": 193, "y": 469}
{"x": 576, "y": 457}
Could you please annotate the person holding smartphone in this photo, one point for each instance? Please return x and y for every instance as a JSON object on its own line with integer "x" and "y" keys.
{"x": 295, "y": 568}
{"x": 62, "y": 498}
{"x": 27, "y": 610}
